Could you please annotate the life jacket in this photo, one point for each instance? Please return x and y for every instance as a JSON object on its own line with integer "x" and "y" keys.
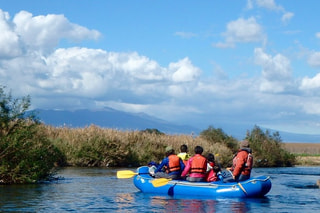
{"x": 184, "y": 157}
{"x": 199, "y": 164}
{"x": 248, "y": 164}
{"x": 211, "y": 174}
{"x": 174, "y": 163}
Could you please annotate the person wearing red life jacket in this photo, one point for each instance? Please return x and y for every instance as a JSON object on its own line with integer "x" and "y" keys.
{"x": 242, "y": 163}
{"x": 212, "y": 169}
{"x": 173, "y": 165}
{"x": 196, "y": 167}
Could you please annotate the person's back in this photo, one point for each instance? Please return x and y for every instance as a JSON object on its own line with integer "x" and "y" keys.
{"x": 212, "y": 169}
{"x": 242, "y": 163}
{"x": 173, "y": 165}
{"x": 196, "y": 166}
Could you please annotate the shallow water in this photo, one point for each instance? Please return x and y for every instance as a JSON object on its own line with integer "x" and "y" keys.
{"x": 98, "y": 190}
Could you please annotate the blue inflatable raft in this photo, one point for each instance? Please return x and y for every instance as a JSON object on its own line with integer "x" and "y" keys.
{"x": 254, "y": 187}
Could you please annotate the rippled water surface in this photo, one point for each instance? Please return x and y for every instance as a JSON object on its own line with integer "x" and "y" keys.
{"x": 98, "y": 190}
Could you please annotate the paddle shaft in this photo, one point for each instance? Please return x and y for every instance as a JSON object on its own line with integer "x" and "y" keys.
{"x": 240, "y": 185}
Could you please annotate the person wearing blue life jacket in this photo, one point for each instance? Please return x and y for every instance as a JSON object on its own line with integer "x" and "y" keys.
{"x": 172, "y": 164}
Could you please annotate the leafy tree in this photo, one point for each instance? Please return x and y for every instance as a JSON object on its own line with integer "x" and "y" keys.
{"x": 26, "y": 155}
{"x": 153, "y": 131}
{"x": 267, "y": 149}
{"x": 218, "y": 136}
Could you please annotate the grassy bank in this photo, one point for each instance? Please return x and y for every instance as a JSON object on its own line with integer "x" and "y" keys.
{"x": 307, "y": 154}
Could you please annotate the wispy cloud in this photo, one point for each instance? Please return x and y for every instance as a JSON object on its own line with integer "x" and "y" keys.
{"x": 269, "y": 4}
{"x": 287, "y": 17}
{"x": 185, "y": 35}
{"x": 273, "y": 6}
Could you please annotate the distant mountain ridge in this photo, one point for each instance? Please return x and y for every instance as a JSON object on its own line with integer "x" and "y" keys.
{"x": 111, "y": 118}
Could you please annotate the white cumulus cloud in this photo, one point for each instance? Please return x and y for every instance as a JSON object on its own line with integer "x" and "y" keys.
{"x": 9, "y": 40}
{"x": 44, "y": 32}
{"x": 310, "y": 83}
{"x": 33, "y": 63}
{"x": 184, "y": 71}
{"x": 242, "y": 31}
{"x": 276, "y": 71}
{"x": 314, "y": 59}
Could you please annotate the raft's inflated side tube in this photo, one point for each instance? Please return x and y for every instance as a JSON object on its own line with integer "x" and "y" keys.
{"x": 254, "y": 187}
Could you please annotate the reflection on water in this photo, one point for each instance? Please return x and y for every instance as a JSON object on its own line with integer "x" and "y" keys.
{"x": 124, "y": 200}
{"x": 191, "y": 205}
{"x": 98, "y": 190}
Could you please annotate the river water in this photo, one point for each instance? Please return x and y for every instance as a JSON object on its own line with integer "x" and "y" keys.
{"x": 98, "y": 190}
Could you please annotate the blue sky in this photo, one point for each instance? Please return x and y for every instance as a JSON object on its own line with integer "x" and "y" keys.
{"x": 221, "y": 63}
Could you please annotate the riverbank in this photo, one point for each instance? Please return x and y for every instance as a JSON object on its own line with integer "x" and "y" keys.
{"x": 307, "y": 154}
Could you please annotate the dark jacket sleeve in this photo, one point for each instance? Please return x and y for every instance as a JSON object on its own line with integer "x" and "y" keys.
{"x": 164, "y": 162}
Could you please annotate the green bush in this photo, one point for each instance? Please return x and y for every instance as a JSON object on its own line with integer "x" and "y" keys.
{"x": 267, "y": 149}
{"x": 218, "y": 136}
{"x": 153, "y": 131}
{"x": 26, "y": 155}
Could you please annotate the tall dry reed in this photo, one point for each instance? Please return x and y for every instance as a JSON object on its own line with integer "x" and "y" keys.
{"x": 95, "y": 146}
{"x": 303, "y": 148}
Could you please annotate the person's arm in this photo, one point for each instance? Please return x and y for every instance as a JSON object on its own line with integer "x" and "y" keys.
{"x": 164, "y": 162}
{"x": 187, "y": 168}
{"x": 182, "y": 166}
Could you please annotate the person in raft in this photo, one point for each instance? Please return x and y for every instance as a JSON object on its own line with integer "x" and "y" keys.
{"x": 184, "y": 155}
{"x": 196, "y": 167}
{"x": 212, "y": 169}
{"x": 241, "y": 164}
{"x": 173, "y": 165}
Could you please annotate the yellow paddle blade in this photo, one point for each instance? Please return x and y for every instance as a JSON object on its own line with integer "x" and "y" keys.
{"x": 160, "y": 182}
{"x": 126, "y": 174}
